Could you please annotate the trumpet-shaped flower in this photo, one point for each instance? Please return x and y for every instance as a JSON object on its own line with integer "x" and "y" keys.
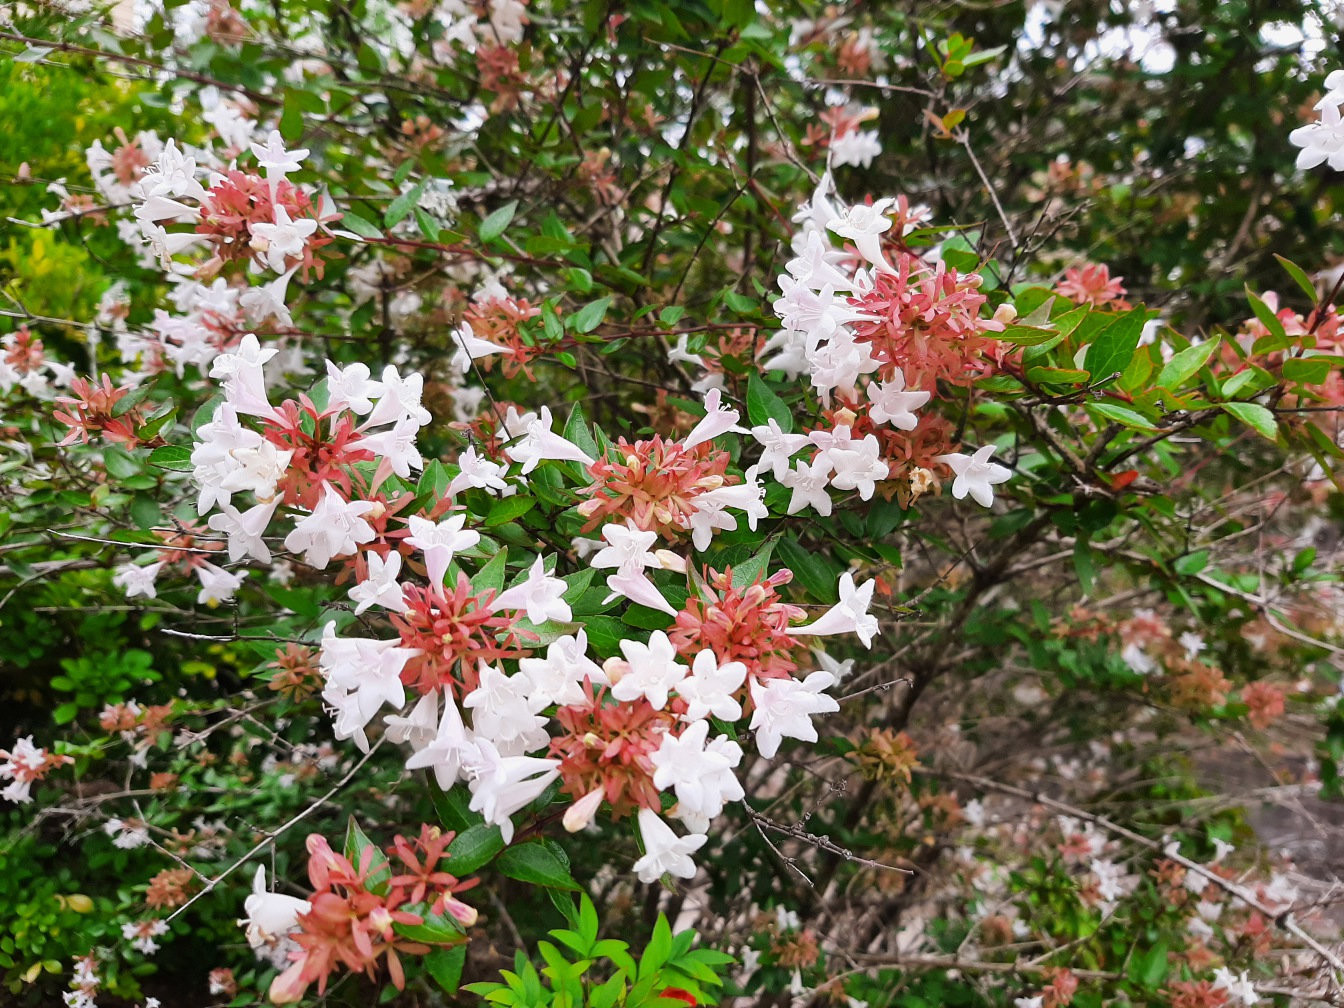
{"x": 849, "y": 615}
{"x": 976, "y": 475}
{"x": 439, "y": 542}
{"x": 665, "y": 853}
{"x": 336, "y": 527}
{"x": 540, "y": 594}
{"x": 784, "y": 709}
{"x": 380, "y": 587}
{"x": 710, "y": 687}
{"x": 652, "y": 671}
{"x": 532, "y": 440}
{"x": 452, "y": 749}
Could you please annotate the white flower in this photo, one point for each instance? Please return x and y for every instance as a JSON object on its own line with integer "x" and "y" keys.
{"x": 813, "y": 268}
{"x": 399, "y": 397}
{"x": 502, "y": 713}
{"x": 174, "y": 174}
{"x": 268, "y": 300}
{"x": 450, "y": 750}
{"x": 665, "y": 853}
{"x": 396, "y": 446}
{"x": 628, "y": 551}
{"x": 653, "y": 671}
{"x": 276, "y": 242}
{"x": 857, "y": 464}
{"x": 718, "y": 419}
{"x": 217, "y": 584}
{"x": 351, "y": 387}
{"x": 627, "y": 548}
{"x": 855, "y": 148}
{"x": 1321, "y": 141}
{"x": 1237, "y": 987}
{"x": 532, "y": 440}
{"x": 976, "y": 475}
{"x": 864, "y": 225}
{"x": 336, "y": 527}
{"x": 270, "y": 916}
{"x": 420, "y": 728}
{"x": 558, "y": 678}
{"x": 277, "y": 161}
{"x": 440, "y": 542}
{"x": 380, "y": 587}
{"x": 784, "y": 709}
{"x": 470, "y": 347}
{"x": 245, "y": 529}
{"x": 244, "y": 381}
{"x": 778, "y": 447}
{"x": 539, "y": 593}
{"x": 809, "y": 483}
{"x": 1192, "y": 642}
{"x": 849, "y": 615}
{"x": 477, "y": 471}
{"x": 126, "y": 835}
{"x": 362, "y": 675}
{"x": 135, "y": 580}
{"x": 1112, "y": 882}
{"x": 501, "y": 785}
{"x": 1137, "y": 659}
{"x": 893, "y": 404}
{"x": 700, "y": 774}
{"x": 710, "y": 687}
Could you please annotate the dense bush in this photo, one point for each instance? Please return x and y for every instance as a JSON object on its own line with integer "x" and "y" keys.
{"x": 651, "y": 504}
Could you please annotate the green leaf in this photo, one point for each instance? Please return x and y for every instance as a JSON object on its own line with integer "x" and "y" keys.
{"x": 493, "y": 226}
{"x": 1122, "y": 415}
{"x": 533, "y": 862}
{"x": 590, "y": 316}
{"x": 157, "y": 423}
{"x": 576, "y": 432}
{"x": 119, "y": 464}
{"x": 1256, "y": 417}
{"x": 1114, "y": 346}
{"x": 352, "y": 221}
{"x": 647, "y": 618}
{"x": 508, "y": 508}
{"x": 1149, "y": 968}
{"x": 1307, "y": 370}
{"x": 452, "y": 807}
{"x": 356, "y": 843}
{"x": 171, "y": 457}
{"x": 146, "y": 511}
{"x": 400, "y": 208}
{"x": 132, "y": 399}
{"x": 1269, "y": 320}
{"x": 492, "y": 574}
{"x": 1299, "y": 275}
{"x": 764, "y": 405}
{"x": 1191, "y": 563}
{"x": 1182, "y": 365}
{"x": 445, "y": 966}
{"x": 473, "y": 848}
{"x": 754, "y": 566}
{"x": 671, "y": 315}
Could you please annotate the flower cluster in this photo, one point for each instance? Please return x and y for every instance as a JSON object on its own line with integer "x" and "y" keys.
{"x": 25, "y": 764}
{"x": 351, "y": 919}
{"x": 868, "y": 331}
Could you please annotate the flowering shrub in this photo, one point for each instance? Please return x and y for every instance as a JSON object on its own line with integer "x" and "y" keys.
{"x": 559, "y": 443}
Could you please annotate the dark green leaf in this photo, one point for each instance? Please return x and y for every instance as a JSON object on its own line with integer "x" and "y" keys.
{"x": 493, "y": 226}
{"x": 1114, "y": 346}
{"x": 532, "y": 862}
{"x": 764, "y": 405}
{"x": 473, "y": 848}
